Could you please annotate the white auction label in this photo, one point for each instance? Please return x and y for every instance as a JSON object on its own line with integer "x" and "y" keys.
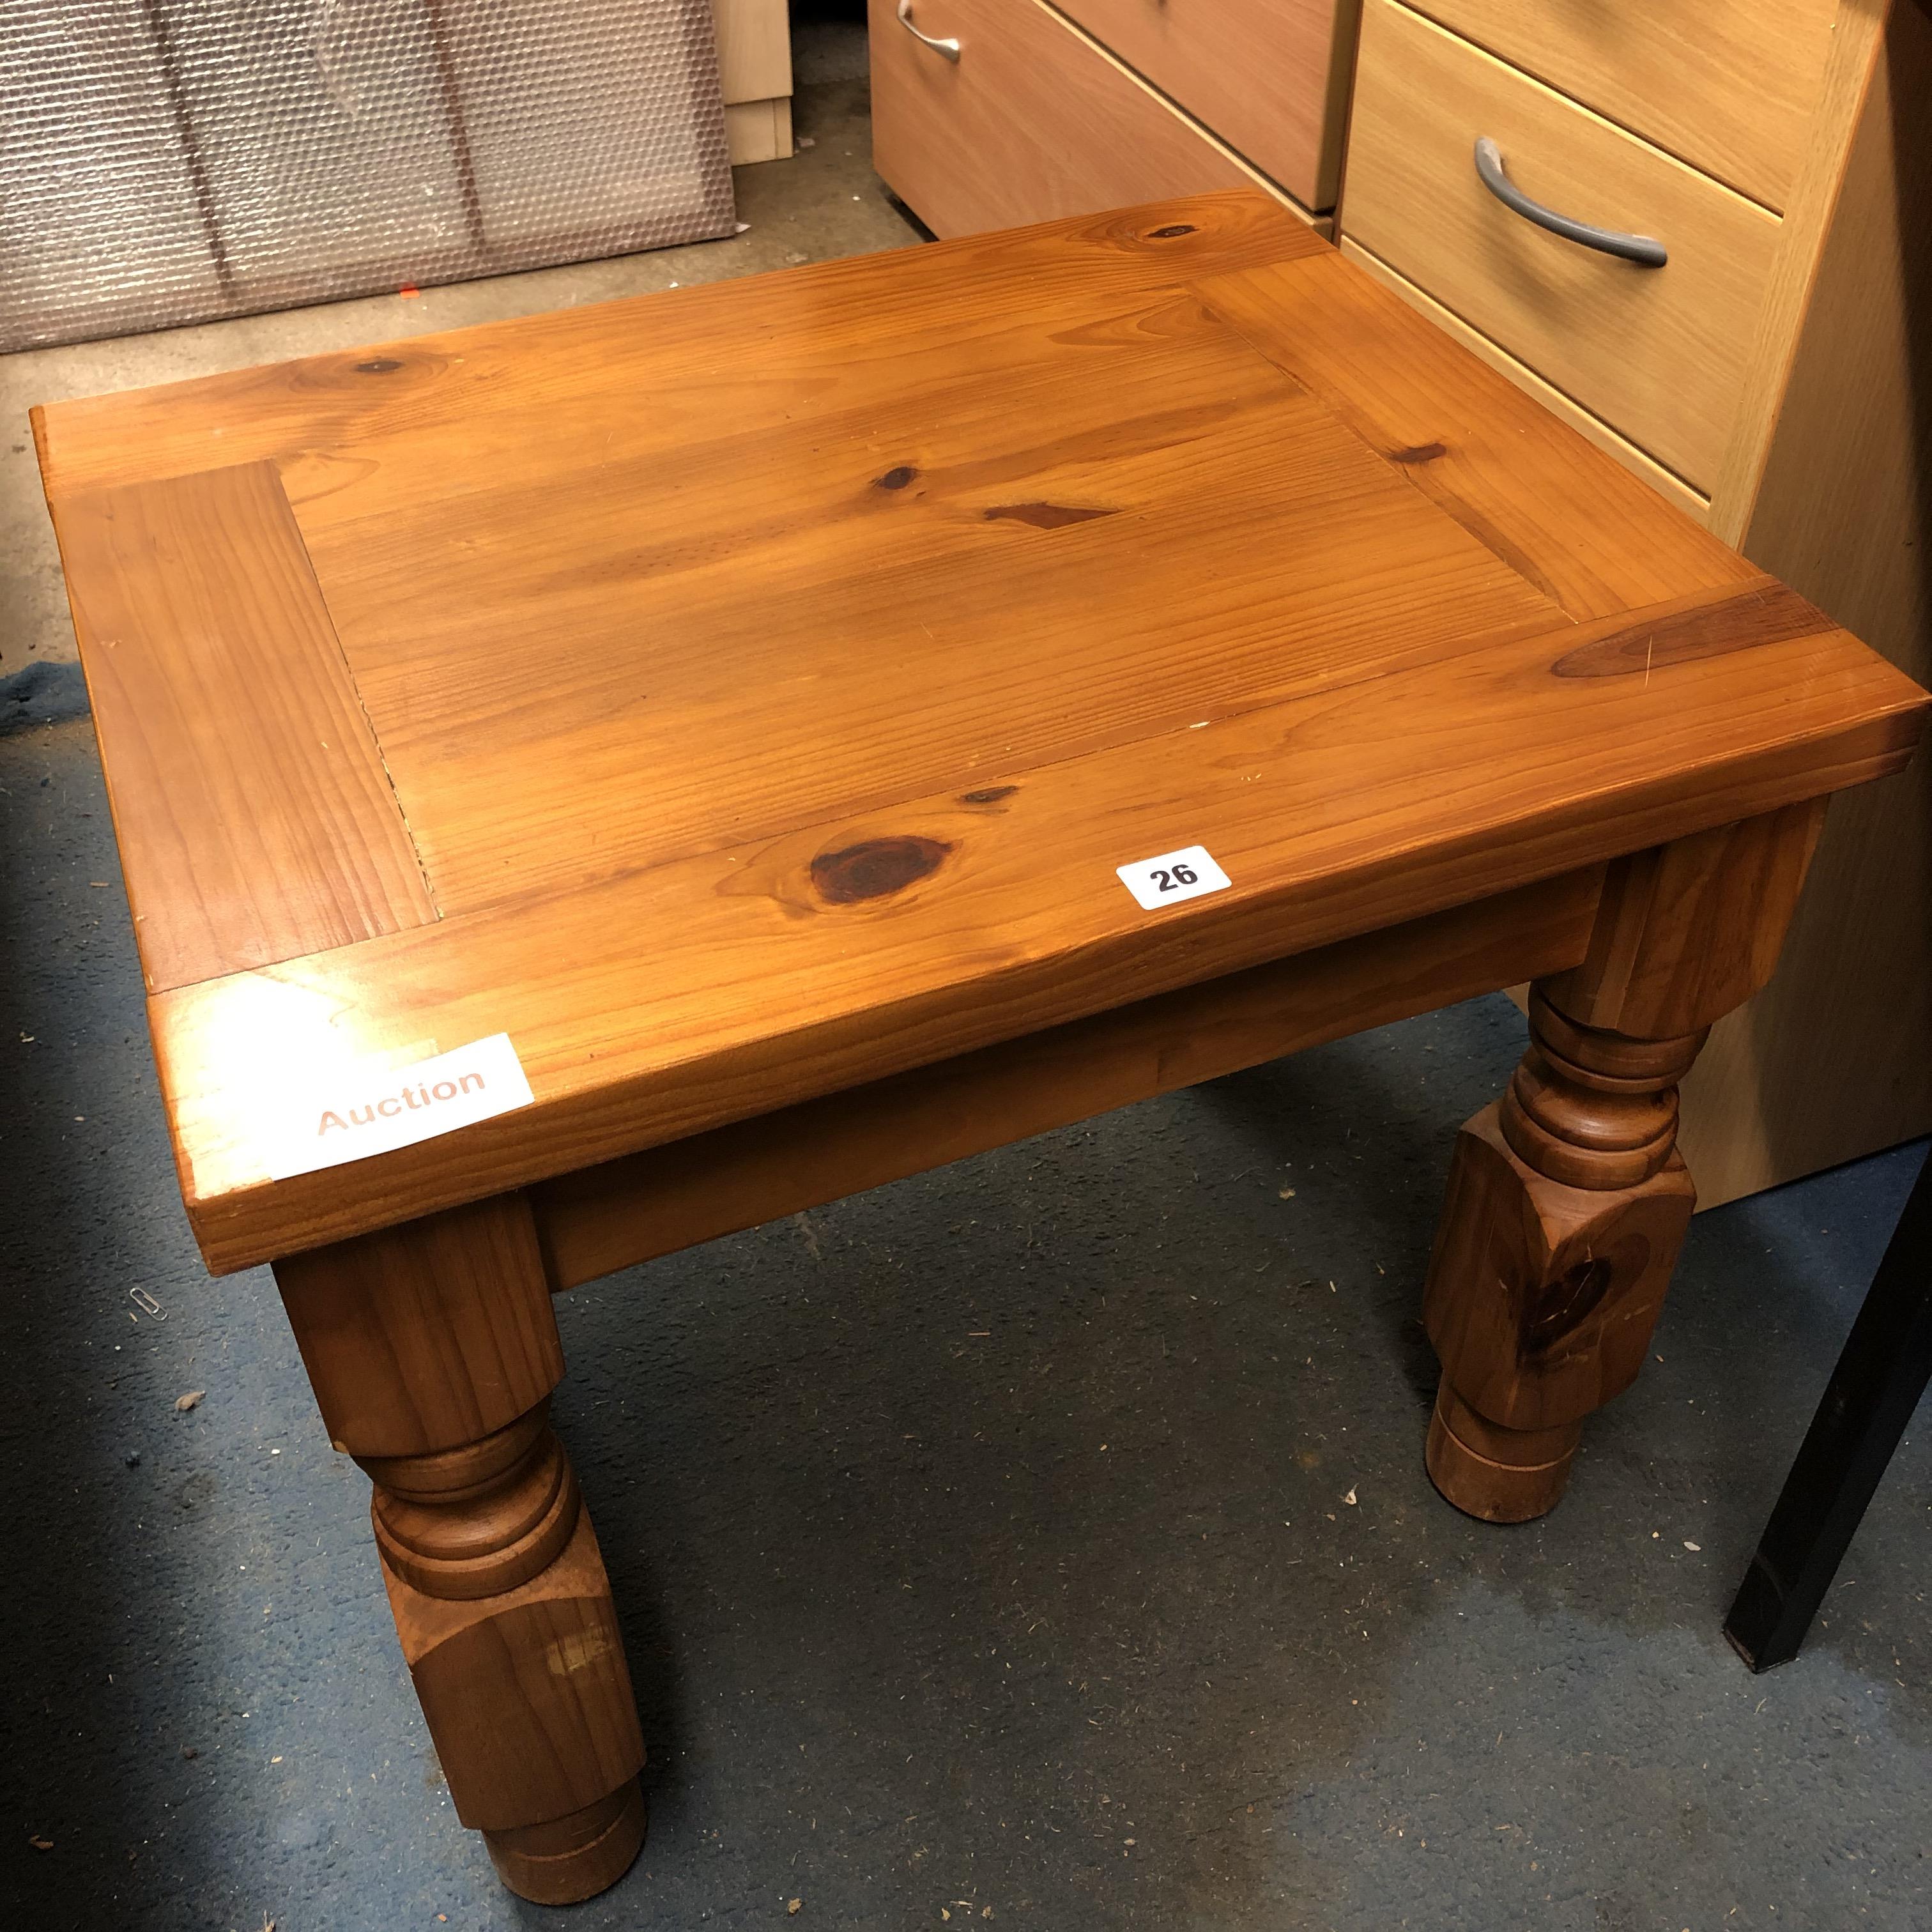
{"x": 1173, "y": 877}
{"x": 358, "y": 1111}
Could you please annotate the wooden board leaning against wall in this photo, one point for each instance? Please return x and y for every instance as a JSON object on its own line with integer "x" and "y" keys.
{"x": 754, "y": 67}
{"x": 1826, "y": 479}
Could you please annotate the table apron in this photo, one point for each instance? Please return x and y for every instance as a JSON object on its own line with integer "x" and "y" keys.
{"x": 633, "y": 1209}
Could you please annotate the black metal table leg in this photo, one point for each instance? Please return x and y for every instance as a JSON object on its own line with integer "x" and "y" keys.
{"x": 1885, "y": 1368}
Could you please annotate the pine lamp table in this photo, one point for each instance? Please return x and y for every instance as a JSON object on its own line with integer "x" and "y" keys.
{"x": 590, "y": 783}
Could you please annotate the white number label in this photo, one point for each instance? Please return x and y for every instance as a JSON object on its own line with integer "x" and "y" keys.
{"x": 1172, "y": 877}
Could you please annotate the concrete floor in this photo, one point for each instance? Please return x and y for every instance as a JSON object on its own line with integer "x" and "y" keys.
{"x": 1045, "y": 1540}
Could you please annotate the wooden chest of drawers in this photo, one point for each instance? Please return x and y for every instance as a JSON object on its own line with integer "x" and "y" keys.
{"x": 1658, "y": 353}
{"x": 988, "y": 113}
{"x": 1727, "y": 86}
{"x": 1016, "y": 117}
{"x": 1764, "y": 378}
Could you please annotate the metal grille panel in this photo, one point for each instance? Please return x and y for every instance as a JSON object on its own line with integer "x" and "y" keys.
{"x": 169, "y": 161}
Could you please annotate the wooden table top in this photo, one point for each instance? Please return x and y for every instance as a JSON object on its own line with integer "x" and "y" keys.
{"x": 735, "y": 693}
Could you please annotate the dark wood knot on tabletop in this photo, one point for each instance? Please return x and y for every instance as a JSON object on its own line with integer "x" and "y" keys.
{"x": 1045, "y": 516}
{"x": 1173, "y": 229}
{"x": 1769, "y": 615}
{"x": 987, "y": 795}
{"x": 377, "y": 365}
{"x": 896, "y": 478}
{"x": 875, "y": 868}
{"x": 1420, "y": 452}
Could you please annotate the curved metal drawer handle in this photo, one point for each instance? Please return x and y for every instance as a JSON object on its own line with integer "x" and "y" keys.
{"x": 950, "y": 49}
{"x": 1640, "y": 249}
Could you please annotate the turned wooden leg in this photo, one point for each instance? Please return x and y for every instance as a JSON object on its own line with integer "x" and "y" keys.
{"x": 432, "y": 1350}
{"x": 1568, "y": 1200}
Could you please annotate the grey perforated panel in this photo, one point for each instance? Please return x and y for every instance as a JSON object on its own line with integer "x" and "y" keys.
{"x": 166, "y": 161}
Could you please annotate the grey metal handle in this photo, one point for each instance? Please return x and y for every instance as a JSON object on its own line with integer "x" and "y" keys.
{"x": 950, "y": 49}
{"x": 1641, "y": 249}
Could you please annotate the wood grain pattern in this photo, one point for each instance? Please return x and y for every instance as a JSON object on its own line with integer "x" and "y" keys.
{"x": 518, "y": 389}
{"x": 997, "y": 565}
{"x": 629, "y": 1210}
{"x": 1726, "y": 85}
{"x": 528, "y": 1698}
{"x": 255, "y": 820}
{"x": 1568, "y": 1200}
{"x": 673, "y": 1000}
{"x": 1690, "y": 930}
{"x": 433, "y": 1349}
{"x": 1659, "y": 354}
{"x": 1767, "y": 612}
{"x": 1034, "y": 120}
{"x": 1672, "y": 487}
{"x": 975, "y": 575}
{"x": 1591, "y": 536}
{"x": 421, "y": 1338}
{"x": 1262, "y": 73}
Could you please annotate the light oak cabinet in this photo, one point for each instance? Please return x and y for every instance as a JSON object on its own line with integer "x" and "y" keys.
{"x": 1769, "y": 378}
{"x": 1724, "y": 84}
{"x": 1659, "y": 353}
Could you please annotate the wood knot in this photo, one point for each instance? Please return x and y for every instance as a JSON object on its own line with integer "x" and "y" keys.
{"x": 1768, "y": 614}
{"x": 875, "y": 868}
{"x": 896, "y": 478}
{"x": 1419, "y": 452}
{"x": 1173, "y": 229}
{"x": 377, "y": 365}
{"x": 1555, "y": 1309}
{"x": 1044, "y": 516}
{"x": 989, "y": 795}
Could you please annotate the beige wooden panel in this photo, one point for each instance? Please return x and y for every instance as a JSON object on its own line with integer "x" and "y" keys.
{"x": 1033, "y": 121}
{"x": 754, "y": 49}
{"x": 1834, "y": 1059}
{"x": 758, "y": 130}
{"x": 1659, "y": 354}
{"x": 1725, "y": 84}
{"x": 1674, "y": 488}
{"x": 1269, "y": 76}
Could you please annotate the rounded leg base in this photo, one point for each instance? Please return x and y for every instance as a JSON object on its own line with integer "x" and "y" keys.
{"x": 1500, "y": 1475}
{"x": 572, "y": 1858}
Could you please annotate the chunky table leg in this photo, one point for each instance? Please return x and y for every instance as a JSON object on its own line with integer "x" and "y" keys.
{"x": 1568, "y": 1200}
{"x": 432, "y": 1350}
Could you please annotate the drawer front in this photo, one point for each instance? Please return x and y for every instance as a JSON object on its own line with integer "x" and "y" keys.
{"x": 1726, "y": 84}
{"x": 1269, "y": 76}
{"x": 1659, "y": 354}
{"x": 1031, "y": 123}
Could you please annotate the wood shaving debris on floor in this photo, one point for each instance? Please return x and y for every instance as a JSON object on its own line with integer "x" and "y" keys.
{"x": 192, "y": 1399}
